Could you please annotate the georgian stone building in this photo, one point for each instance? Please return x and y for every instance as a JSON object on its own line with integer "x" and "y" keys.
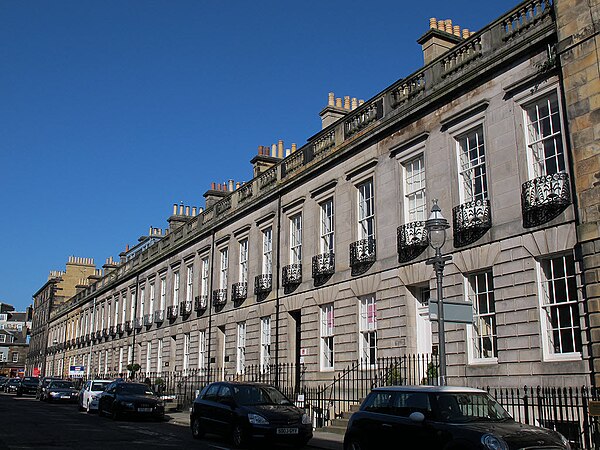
{"x": 321, "y": 256}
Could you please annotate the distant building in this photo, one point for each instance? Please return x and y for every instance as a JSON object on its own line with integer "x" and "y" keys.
{"x": 14, "y": 342}
{"x": 319, "y": 261}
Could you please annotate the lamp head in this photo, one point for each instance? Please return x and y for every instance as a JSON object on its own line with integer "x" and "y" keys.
{"x": 436, "y": 227}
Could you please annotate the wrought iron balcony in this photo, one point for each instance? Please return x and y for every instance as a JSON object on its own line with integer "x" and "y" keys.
{"x": 544, "y": 198}
{"x": 239, "y": 291}
{"x": 159, "y": 316}
{"x": 137, "y": 323}
{"x": 323, "y": 265}
{"x": 77, "y": 341}
{"x": 413, "y": 239}
{"x": 120, "y": 329}
{"x": 148, "y": 319}
{"x": 129, "y": 326}
{"x": 362, "y": 255}
{"x": 219, "y": 297}
{"x": 105, "y": 332}
{"x": 471, "y": 221}
{"x": 292, "y": 275}
{"x": 172, "y": 312}
{"x": 185, "y": 308}
{"x": 112, "y": 330}
{"x": 88, "y": 339}
{"x": 98, "y": 335}
{"x": 201, "y": 303}
{"x": 263, "y": 283}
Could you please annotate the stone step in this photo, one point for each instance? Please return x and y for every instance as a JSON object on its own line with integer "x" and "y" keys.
{"x": 334, "y": 429}
{"x": 341, "y": 422}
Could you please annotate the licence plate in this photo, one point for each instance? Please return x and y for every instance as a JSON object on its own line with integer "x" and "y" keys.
{"x": 144, "y": 409}
{"x": 65, "y": 396}
{"x": 287, "y": 430}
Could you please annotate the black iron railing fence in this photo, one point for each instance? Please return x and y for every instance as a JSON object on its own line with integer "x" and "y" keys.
{"x": 566, "y": 410}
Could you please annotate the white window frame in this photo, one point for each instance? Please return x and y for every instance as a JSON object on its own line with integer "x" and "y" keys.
{"x": 327, "y": 226}
{"x": 365, "y": 196}
{"x": 186, "y": 352}
{"x": 163, "y": 292}
{"x": 267, "y": 251}
{"x": 116, "y": 315}
{"x": 296, "y": 239}
{"x": 149, "y": 356}
{"x": 468, "y": 179}
{"x": 367, "y": 330}
{"x": 415, "y": 189}
{"x": 241, "y": 348}
{"x": 474, "y": 291}
{"x": 132, "y": 305}
{"x": 224, "y": 258}
{"x": 176, "y": 282}
{"x": 120, "y": 359}
{"x": 265, "y": 344}
{"x": 205, "y": 272}
{"x": 15, "y": 357}
{"x": 159, "y": 356}
{"x": 535, "y": 168}
{"x": 152, "y": 298}
{"x": 202, "y": 352}
{"x": 142, "y": 301}
{"x": 243, "y": 267}
{"x": 327, "y": 328}
{"x": 189, "y": 288}
{"x": 544, "y": 283}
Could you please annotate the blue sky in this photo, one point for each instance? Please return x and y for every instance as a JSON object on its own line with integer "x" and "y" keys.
{"x": 111, "y": 111}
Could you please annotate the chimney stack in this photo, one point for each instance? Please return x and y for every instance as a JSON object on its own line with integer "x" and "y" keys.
{"x": 264, "y": 160}
{"x": 334, "y": 110}
{"x": 440, "y": 38}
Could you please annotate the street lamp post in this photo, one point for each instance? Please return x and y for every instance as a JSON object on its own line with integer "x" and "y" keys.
{"x": 436, "y": 227}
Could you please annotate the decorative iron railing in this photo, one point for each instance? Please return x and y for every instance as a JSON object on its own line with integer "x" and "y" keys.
{"x": 413, "y": 239}
{"x": 471, "y": 221}
{"x": 219, "y": 297}
{"x": 362, "y": 255}
{"x": 112, "y": 331}
{"x": 323, "y": 265}
{"x": 201, "y": 303}
{"x": 544, "y": 198}
{"x": 292, "y": 275}
{"x": 263, "y": 283}
{"x": 239, "y": 291}
{"x": 172, "y": 312}
{"x": 185, "y": 307}
{"x": 138, "y": 323}
{"x": 148, "y": 319}
{"x": 120, "y": 329}
{"x": 159, "y": 316}
{"x": 129, "y": 326}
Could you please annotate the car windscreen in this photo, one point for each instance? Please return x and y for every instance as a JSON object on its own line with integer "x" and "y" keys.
{"x": 259, "y": 395}
{"x": 61, "y": 385}
{"x": 98, "y": 386}
{"x": 17, "y": 381}
{"x": 30, "y": 381}
{"x": 134, "y": 389}
{"x": 469, "y": 407}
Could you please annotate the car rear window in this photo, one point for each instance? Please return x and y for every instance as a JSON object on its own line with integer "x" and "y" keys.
{"x": 134, "y": 389}
{"x": 61, "y": 385}
{"x": 99, "y": 386}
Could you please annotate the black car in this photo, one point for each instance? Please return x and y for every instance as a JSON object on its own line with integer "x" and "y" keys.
{"x": 12, "y": 385}
{"x": 61, "y": 391}
{"x": 28, "y": 386}
{"x": 121, "y": 398}
{"x": 433, "y": 417}
{"x": 42, "y": 389}
{"x": 249, "y": 412}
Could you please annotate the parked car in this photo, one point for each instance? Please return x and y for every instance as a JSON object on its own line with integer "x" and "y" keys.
{"x": 3, "y": 382}
{"x": 88, "y": 396}
{"x": 249, "y": 412}
{"x": 61, "y": 390}
{"x": 28, "y": 386}
{"x": 11, "y": 385}
{"x": 41, "y": 393}
{"x": 121, "y": 398}
{"x": 433, "y": 417}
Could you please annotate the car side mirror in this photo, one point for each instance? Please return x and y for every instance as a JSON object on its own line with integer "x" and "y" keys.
{"x": 417, "y": 417}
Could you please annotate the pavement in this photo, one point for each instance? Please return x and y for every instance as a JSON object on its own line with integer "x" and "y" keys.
{"x": 321, "y": 439}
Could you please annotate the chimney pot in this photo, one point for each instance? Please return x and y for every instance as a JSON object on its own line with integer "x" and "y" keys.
{"x": 274, "y": 150}
{"x": 212, "y": 186}
{"x": 441, "y": 25}
{"x": 456, "y": 30}
{"x": 194, "y": 211}
{"x": 347, "y": 102}
{"x": 237, "y": 185}
{"x": 432, "y": 22}
{"x": 181, "y": 209}
{"x": 174, "y": 209}
{"x": 231, "y": 185}
{"x": 448, "y": 26}
{"x": 331, "y": 99}
{"x": 187, "y": 210}
{"x": 294, "y": 148}
{"x": 354, "y": 103}
{"x": 280, "y": 148}
{"x": 338, "y": 102}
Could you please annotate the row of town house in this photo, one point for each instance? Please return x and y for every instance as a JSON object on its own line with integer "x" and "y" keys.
{"x": 320, "y": 259}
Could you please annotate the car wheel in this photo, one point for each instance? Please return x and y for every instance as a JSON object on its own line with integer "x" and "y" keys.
{"x": 197, "y": 431}
{"x": 238, "y": 437}
{"x": 353, "y": 444}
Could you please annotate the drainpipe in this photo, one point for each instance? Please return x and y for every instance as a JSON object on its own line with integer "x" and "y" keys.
{"x": 91, "y": 341}
{"x": 277, "y": 303}
{"x": 137, "y": 294}
{"x": 209, "y": 301}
